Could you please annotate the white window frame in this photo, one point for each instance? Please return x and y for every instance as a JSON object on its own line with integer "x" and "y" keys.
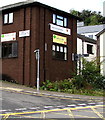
{"x": 60, "y": 20}
{"x": 8, "y": 18}
{"x": 5, "y": 18}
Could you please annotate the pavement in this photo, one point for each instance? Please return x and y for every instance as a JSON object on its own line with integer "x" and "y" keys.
{"x": 22, "y": 88}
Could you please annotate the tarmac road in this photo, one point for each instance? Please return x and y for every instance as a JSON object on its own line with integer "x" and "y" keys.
{"x": 23, "y": 102}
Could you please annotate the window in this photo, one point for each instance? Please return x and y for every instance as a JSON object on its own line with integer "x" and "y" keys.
{"x": 89, "y": 49}
{"x": 8, "y": 18}
{"x": 9, "y": 50}
{"x": 59, "y": 20}
{"x": 5, "y": 18}
{"x": 59, "y": 51}
{"x": 90, "y": 36}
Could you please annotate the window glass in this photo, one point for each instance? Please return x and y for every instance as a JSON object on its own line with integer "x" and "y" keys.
{"x": 65, "y": 22}
{"x": 89, "y": 49}
{"x": 90, "y": 36}
{"x": 60, "y": 52}
{"x": 61, "y": 49}
{"x": 53, "y": 47}
{"x": 10, "y": 17}
{"x": 5, "y": 18}
{"x": 53, "y": 54}
{"x": 65, "y": 49}
{"x": 14, "y": 49}
{"x": 9, "y": 50}
{"x": 4, "y": 50}
{"x": 59, "y": 17}
{"x": 59, "y": 22}
{"x": 57, "y": 48}
{"x": 54, "y": 18}
{"x": 0, "y": 50}
{"x": 65, "y": 56}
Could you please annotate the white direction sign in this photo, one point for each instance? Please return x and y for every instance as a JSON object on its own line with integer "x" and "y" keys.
{"x": 24, "y": 33}
{"x": 60, "y": 29}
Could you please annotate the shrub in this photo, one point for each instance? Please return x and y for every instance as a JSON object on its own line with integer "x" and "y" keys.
{"x": 90, "y": 76}
{"x": 62, "y": 85}
{"x": 89, "y": 82}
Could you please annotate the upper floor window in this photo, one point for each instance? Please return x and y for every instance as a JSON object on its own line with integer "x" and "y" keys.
{"x": 90, "y": 36}
{"x": 59, "y": 20}
{"x": 8, "y": 18}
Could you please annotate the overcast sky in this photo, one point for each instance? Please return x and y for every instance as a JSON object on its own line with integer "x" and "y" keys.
{"x": 66, "y": 5}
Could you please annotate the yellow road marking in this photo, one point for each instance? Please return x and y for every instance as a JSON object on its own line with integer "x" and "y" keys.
{"x": 9, "y": 88}
{"x": 95, "y": 111}
{"x": 70, "y": 114}
{"x": 42, "y": 114}
{"x": 20, "y": 91}
{"x": 40, "y": 94}
{"x": 5, "y": 117}
{"x": 32, "y": 112}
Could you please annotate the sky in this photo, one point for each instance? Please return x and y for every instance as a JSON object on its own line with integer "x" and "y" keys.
{"x": 66, "y": 5}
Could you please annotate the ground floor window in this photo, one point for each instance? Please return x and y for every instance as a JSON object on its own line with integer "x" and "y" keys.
{"x": 9, "y": 50}
{"x": 59, "y": 51}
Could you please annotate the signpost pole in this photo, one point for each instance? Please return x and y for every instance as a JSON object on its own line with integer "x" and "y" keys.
{"x": 37, "y": 54}
{"x": 38, "y": 72}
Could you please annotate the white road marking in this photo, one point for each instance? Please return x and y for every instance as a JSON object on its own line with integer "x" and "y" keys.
{"x": 71, "y": 105}
{"x": 21, "y": 109}
{"x": 82, "y": 104}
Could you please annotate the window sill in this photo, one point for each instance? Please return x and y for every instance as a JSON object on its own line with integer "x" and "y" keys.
{"x": 9, "y": 58}
{"x": 7, "y": 23}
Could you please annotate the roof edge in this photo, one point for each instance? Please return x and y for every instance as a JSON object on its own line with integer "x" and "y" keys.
{"x": 86, "y": 39}
{"x": 30, "y": 2}
{"x": 100, "y": 32}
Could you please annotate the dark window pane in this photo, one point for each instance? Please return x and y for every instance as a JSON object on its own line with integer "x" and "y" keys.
{"x": 60, "y": 52}
{"x": 9, "y": 50}
{"x": 0, "y": 50}
{"x": 14, "y": 50}
{"x": 5, "y": 50}
{"x": 89, "y": 49}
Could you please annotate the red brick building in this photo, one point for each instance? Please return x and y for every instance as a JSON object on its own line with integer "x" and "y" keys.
{"x": 28, "y": 26}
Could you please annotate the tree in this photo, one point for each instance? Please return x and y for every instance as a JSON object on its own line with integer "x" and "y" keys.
{"x": 89, "y": 17}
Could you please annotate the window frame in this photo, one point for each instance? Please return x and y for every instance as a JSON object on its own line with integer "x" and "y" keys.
{"x": 90, "y": 36}
{"x": 9, "y": 19}
{"x": 90, "y": 49}
{"x": 10, "y": 49}
{"x": 57, "y": 19}
{"x": 59, "y": 54}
